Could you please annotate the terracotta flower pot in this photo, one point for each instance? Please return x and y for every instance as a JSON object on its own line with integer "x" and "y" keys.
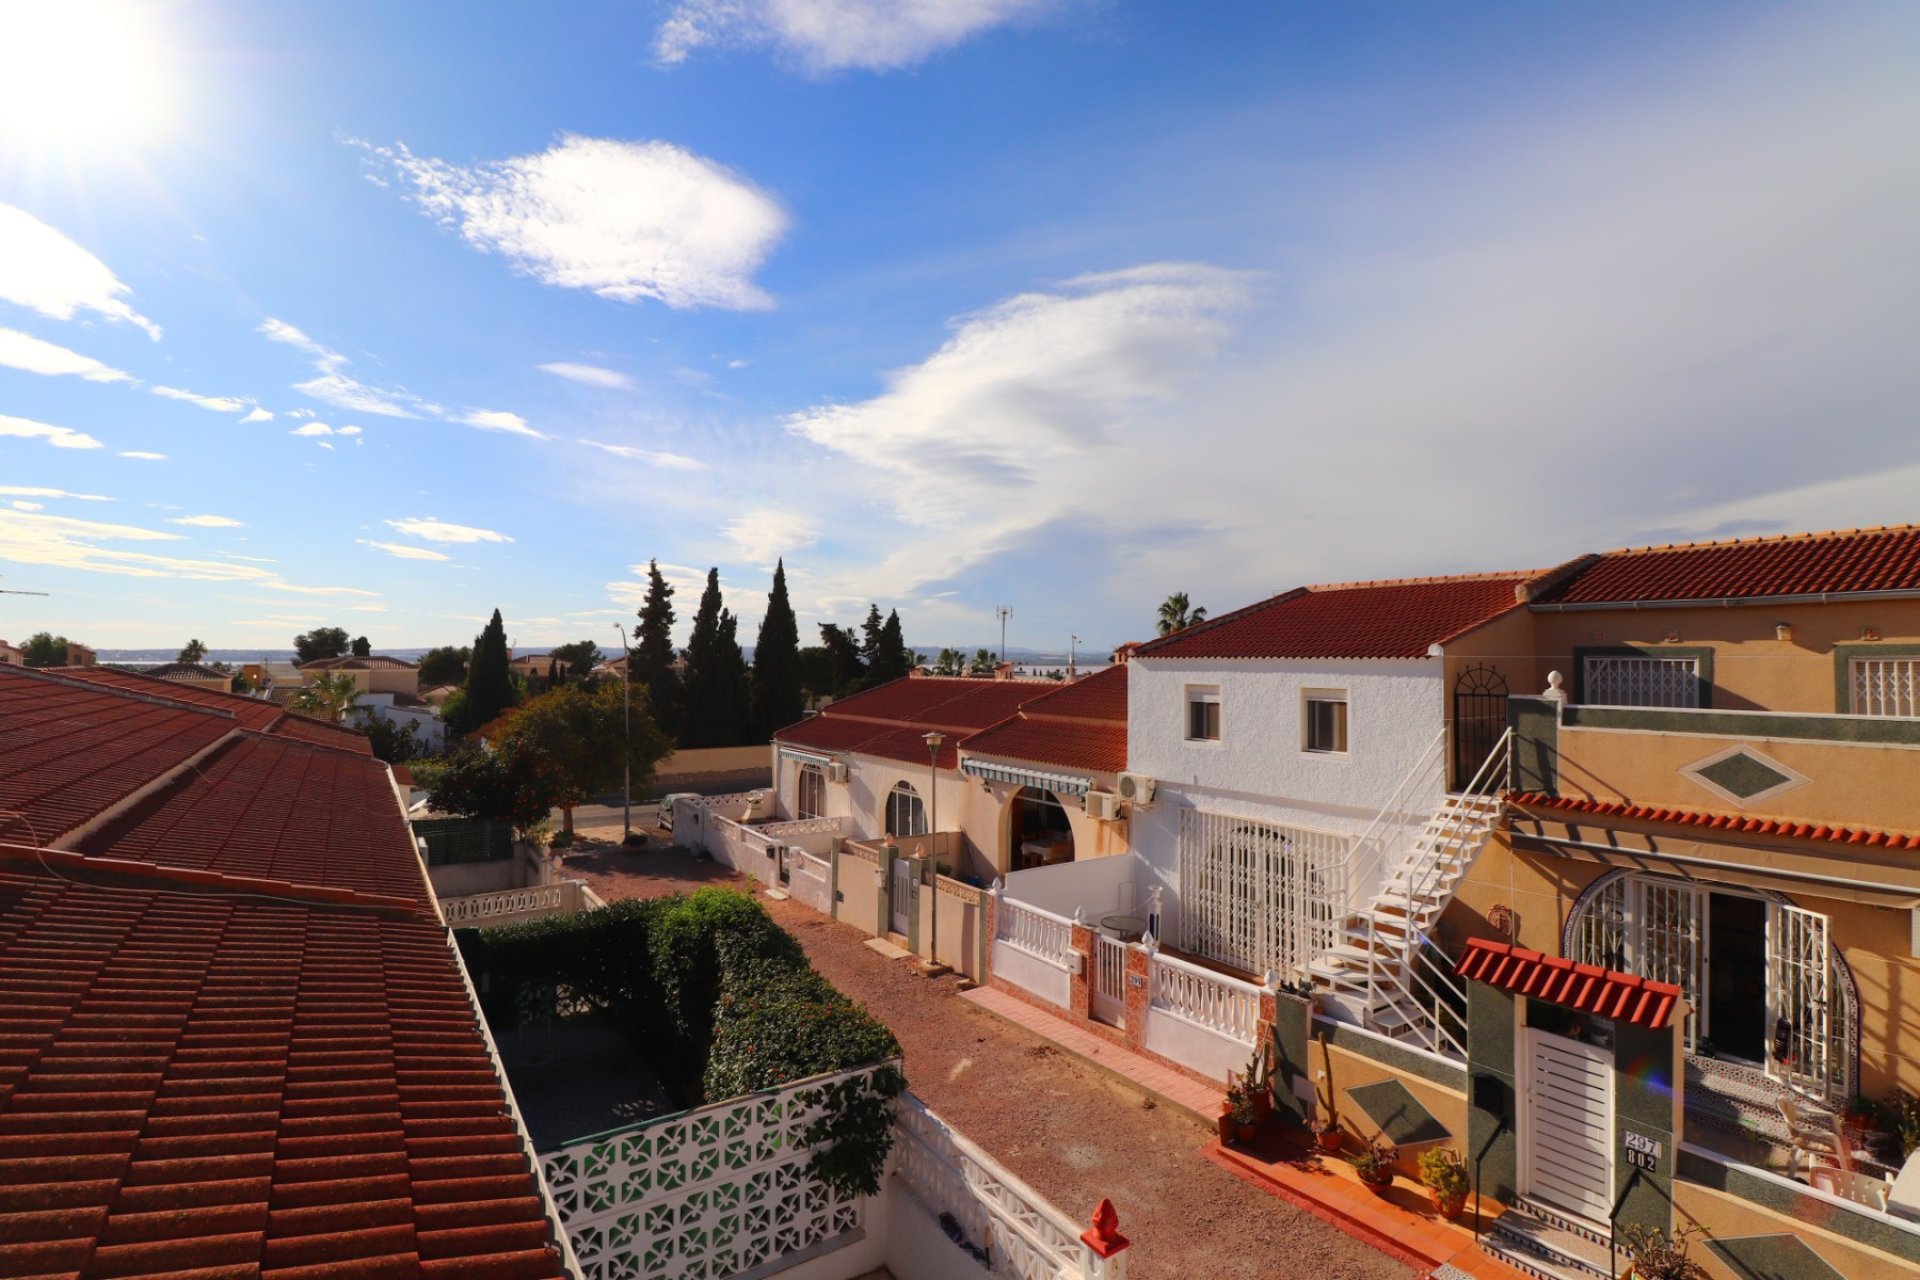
{"x": 1226, "y": 1126}
{"x": 1246, "y": 1132}
{"x": 1449, "y": 1207}
{"x": 1378, "y": 1186}
{"x": 1329, "y": 1140}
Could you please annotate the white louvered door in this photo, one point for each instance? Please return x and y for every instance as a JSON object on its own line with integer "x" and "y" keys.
{"x": 1567, "y": 1125}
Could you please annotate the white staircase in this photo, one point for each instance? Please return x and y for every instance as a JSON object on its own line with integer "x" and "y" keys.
{"x": 1384, "y": 973}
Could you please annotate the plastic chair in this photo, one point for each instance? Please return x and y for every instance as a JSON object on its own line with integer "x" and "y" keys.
{"x": 1812, "y": 1139}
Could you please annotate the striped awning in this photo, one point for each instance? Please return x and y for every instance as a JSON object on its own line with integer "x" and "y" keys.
{"x": 1062, "y": 784}
{"x": 804, "y": 757}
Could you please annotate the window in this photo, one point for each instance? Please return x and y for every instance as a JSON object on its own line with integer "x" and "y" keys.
{"x": 1886, "y": 686}
{"x": 1324, "y": 721}
{"x": 810, "y": 792}
{"x": 1203, "y": 713}
{"x": 906, "y": 815}
{"x": 1612, "y": 680}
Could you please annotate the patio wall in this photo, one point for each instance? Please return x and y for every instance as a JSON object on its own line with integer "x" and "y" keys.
{"x": 1100, "y": 887}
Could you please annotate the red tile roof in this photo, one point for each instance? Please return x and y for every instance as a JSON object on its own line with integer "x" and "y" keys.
{"x": 374, "y": 662}
{"x": 888, "y": 721}
{"x": 71, "y": 751}
{"x": 220, "y": 1086}
{"x": 1733, "y": 823}
{"x": 1082, "y": 725}
{"x": 1398, "y": 619}
{"x": 1837, "y": 563}
{"x": 252, "y": 713}
{"x": 275, "y": 808}
{"x": 1586, "y": 987}
{"x": 321, "y": 733}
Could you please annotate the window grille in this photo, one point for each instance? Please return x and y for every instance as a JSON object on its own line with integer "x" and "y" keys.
{"x": 1886, "y": 686}
{"x": 1258, "y": 895}
{"x": 1619, "y": 681}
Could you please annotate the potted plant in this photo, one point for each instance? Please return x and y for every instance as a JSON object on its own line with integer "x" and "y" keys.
{"x": 1243, "y": 1111}
{"x": 1902, "y": 1112}
{"x": 1373, "y": 1164}
{"x": 1326, "y": 1130}
{"x": 1861, "y": 1118}
{"x": 1658, "y": 1256}
{"x": 1446, "y": 1178}
{"x": 1258, "y": 1081}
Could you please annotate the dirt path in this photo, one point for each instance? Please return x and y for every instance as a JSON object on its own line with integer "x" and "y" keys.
{"x": 1072, "y": 1132}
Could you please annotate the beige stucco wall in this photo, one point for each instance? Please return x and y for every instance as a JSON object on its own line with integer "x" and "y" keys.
{"x": 859, "y": 883}
{"x": 1751, "y": 669}
{"x": 1729, "y": 1217}
{"x": 1349, "y": 1070}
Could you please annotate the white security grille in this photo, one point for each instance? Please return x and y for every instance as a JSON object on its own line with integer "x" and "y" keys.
{"x": 1799, "y": 986}
{"x": 810, "y": 792}
{"x": 1619, "y": 681}
{"x": 1109, "y": 980}
{"x": 1257, "y": 895}
{"x": 1886, "y": 686}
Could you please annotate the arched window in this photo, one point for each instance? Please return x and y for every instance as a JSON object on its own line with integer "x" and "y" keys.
{"x": 906, "y": 815}
{"x": 810, "y": 792}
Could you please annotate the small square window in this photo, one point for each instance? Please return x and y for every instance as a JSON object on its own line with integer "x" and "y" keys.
{"x": 1203, "y": 714}
{"x": 1325, "y": 722}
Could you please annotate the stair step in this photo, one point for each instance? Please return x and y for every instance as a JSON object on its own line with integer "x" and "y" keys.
{"x": 1544, "y": 1248}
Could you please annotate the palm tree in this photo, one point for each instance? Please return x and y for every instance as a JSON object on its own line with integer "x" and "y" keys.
{"x": 951, "y": 662}
{"x": 195, "y": 651}
{"x": 1177, "y": 614}
{"x": 330, "y": 696}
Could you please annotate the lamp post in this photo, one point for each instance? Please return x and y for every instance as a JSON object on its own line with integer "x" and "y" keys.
{"x": 933, "y": 738}
{"x": 626, "y": 717}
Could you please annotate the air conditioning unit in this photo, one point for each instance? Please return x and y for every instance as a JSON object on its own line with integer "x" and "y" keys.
{"x": 1103, "y": 805}
{"x": 1136, "y": 788}
{"x": 837, "y": 770}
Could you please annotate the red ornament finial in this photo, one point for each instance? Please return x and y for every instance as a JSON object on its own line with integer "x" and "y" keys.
{"x": 1105, "y": 1238}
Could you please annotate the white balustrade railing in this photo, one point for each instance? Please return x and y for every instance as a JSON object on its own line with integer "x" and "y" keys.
{"x": 1022, "y": 1235}
{"x": 1040, "y": 934}
{"x": 810, "y": 880}
{"x": 561, "y": 897}
{"x": 797, "y": 827}
{"x": 1211, "y": 1000}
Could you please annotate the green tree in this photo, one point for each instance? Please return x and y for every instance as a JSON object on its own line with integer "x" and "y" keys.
{"x": 983, "y": 663}
{"x": 890, "y": 659}
{"x": 845, "y": 667}
{"x": 581, "y": 735}
{"x": 193, "y": 651}
{"x": 951, "y": 662}
{"x": 489, "y": 679}
{"x": 362, "y": 647}
{"x": 509, "y": 782}
{"x": 870, "y": 637}
{"x": 574, "y": 662}
{"x": 329, "y": 696}
{"x": 45, "y": 650}
{"x": 321, "y": 642}
{"x": 445, "y": 665}
{"x": 653, "y": 657}
{"x": 778, "y": 699}
{"x": 1177, "y": 614}
{"x": 717, "y": 706}
{"x": 393, "y": 743}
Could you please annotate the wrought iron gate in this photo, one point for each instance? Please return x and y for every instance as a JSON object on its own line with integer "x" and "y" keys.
{"x": 1479, "y": 718}
{"x": 1109, "y": 980}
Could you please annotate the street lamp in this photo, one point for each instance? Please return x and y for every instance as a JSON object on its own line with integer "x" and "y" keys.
{"x": 626, "y": 715}
{"x": 933, "y": 739}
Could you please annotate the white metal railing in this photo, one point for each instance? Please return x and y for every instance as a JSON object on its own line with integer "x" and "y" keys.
{"x": 1022, "y": 1235}
{"x": 560, "y": 897}
{"x": 1404, "y": 813}
{"x": 1229, "y": 1006}
{"x": 1886, "y": 686}
{"x": 1040, "y": 934}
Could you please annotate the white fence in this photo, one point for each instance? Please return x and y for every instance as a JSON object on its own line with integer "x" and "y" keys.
{"x": 810, "y": 880}
{"x": 1021, "y": 1234}
{"x": 749, "y": 848}
{"x": 1033, "y": 949}
{"x": 563, "y": 897}
{"x": 707, "y": 1193}
{"x": 1212, "y": 1000}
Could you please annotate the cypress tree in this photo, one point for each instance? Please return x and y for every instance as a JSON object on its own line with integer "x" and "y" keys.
{"x": 653, "y": 652}
{"x": 870, "y": 636}
{"x": 489, "y": 680}
{"x": 891, "y": 659}
{"x": 733, "y": 692}
{"x": 847, "y": 672}
{"x": 703, "y": 724}
{"x": 777, "y": 699}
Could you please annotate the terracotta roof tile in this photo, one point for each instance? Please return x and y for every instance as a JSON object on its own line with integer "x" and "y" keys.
{"x": 1840, "y": 562}
{"x": 1738, "y": 823}
{"x": 1398, "y": 619}
{"x": 1589, "y": 988}
{"x": 888, "y": 721}
{"x": 375, "y": 662}
{"x": 252, "y": 713}
{"x": 1082, "y": 725}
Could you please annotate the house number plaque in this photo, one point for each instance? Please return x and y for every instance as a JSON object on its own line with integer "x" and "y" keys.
{"x": 1642, "y": 1152}
{"x": 1136, "y": 980}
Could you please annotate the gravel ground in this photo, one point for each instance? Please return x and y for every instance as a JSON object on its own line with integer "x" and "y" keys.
{"x": 1075, "y": 1134}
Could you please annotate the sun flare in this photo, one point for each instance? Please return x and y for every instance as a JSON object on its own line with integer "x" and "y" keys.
{"x": 82, "y": 73}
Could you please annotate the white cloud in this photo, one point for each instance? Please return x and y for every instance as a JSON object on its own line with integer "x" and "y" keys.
{"x": 686, "y": 581}
{"x": 20, "y": 504}
{"x": 312, "y": 429}
{"x": 671, "y": 461}
{"x": 44, "y": 271}
{"x": 58, "y": 437}
{"x": 31, "y": 355}
{"x": 37, "y": 491}
{"x": 258, "y": 415}
{"x": 348, "y": 431}
{"x": 219, "y": 404}
{"x": 249, "y": 559}
{"x": 590, "y": 374}
{"x": 335, "y": 387}
{"x": 324, "y": 445}
{"x": 833, "y": 35}
{"x": 141, "y": 455}
{"x": 208, "y": 522}
{"x": 317, "y": 591}
{"x": 626, "y": 220}
{"x": 405, "y": 552}
{"x": 434, "y": 530}
{"x": 81, "y": 544}
{"x": 763, "y": 536}
{"x": 301, "y": 413}
{"x": 497, "y": 420}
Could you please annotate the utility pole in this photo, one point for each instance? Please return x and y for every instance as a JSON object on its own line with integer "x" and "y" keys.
{"x": 933, "y": 740}
{"x": 1073, "y": 655}
{"x": 1004, "y": 613}
{"x": 626, "y": 716}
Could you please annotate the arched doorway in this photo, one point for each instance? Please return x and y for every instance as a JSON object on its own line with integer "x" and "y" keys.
{"x": 906, "y": 812}
{"x": 1038, "y": 831}
{"x": 1479, "y": 718}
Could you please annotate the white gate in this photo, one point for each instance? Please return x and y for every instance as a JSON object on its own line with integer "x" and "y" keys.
{"x": 1799, "y": 989}
{"x": 1109, "y": 980}
{"x": 1610, "y": 681}
{"x": 900, "y": 898}
{"x": 1566, "y": 1125}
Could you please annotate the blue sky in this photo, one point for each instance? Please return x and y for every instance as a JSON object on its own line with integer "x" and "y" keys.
{"x": 1057, "y": 304}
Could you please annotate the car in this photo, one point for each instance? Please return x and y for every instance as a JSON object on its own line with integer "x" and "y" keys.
{"x": 667, "y": 803}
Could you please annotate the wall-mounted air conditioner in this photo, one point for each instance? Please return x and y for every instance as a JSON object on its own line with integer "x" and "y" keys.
{"x": 1103, "y": 805}
{"x": 837, "y": 770}
{"x": 1136, "y": 788}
